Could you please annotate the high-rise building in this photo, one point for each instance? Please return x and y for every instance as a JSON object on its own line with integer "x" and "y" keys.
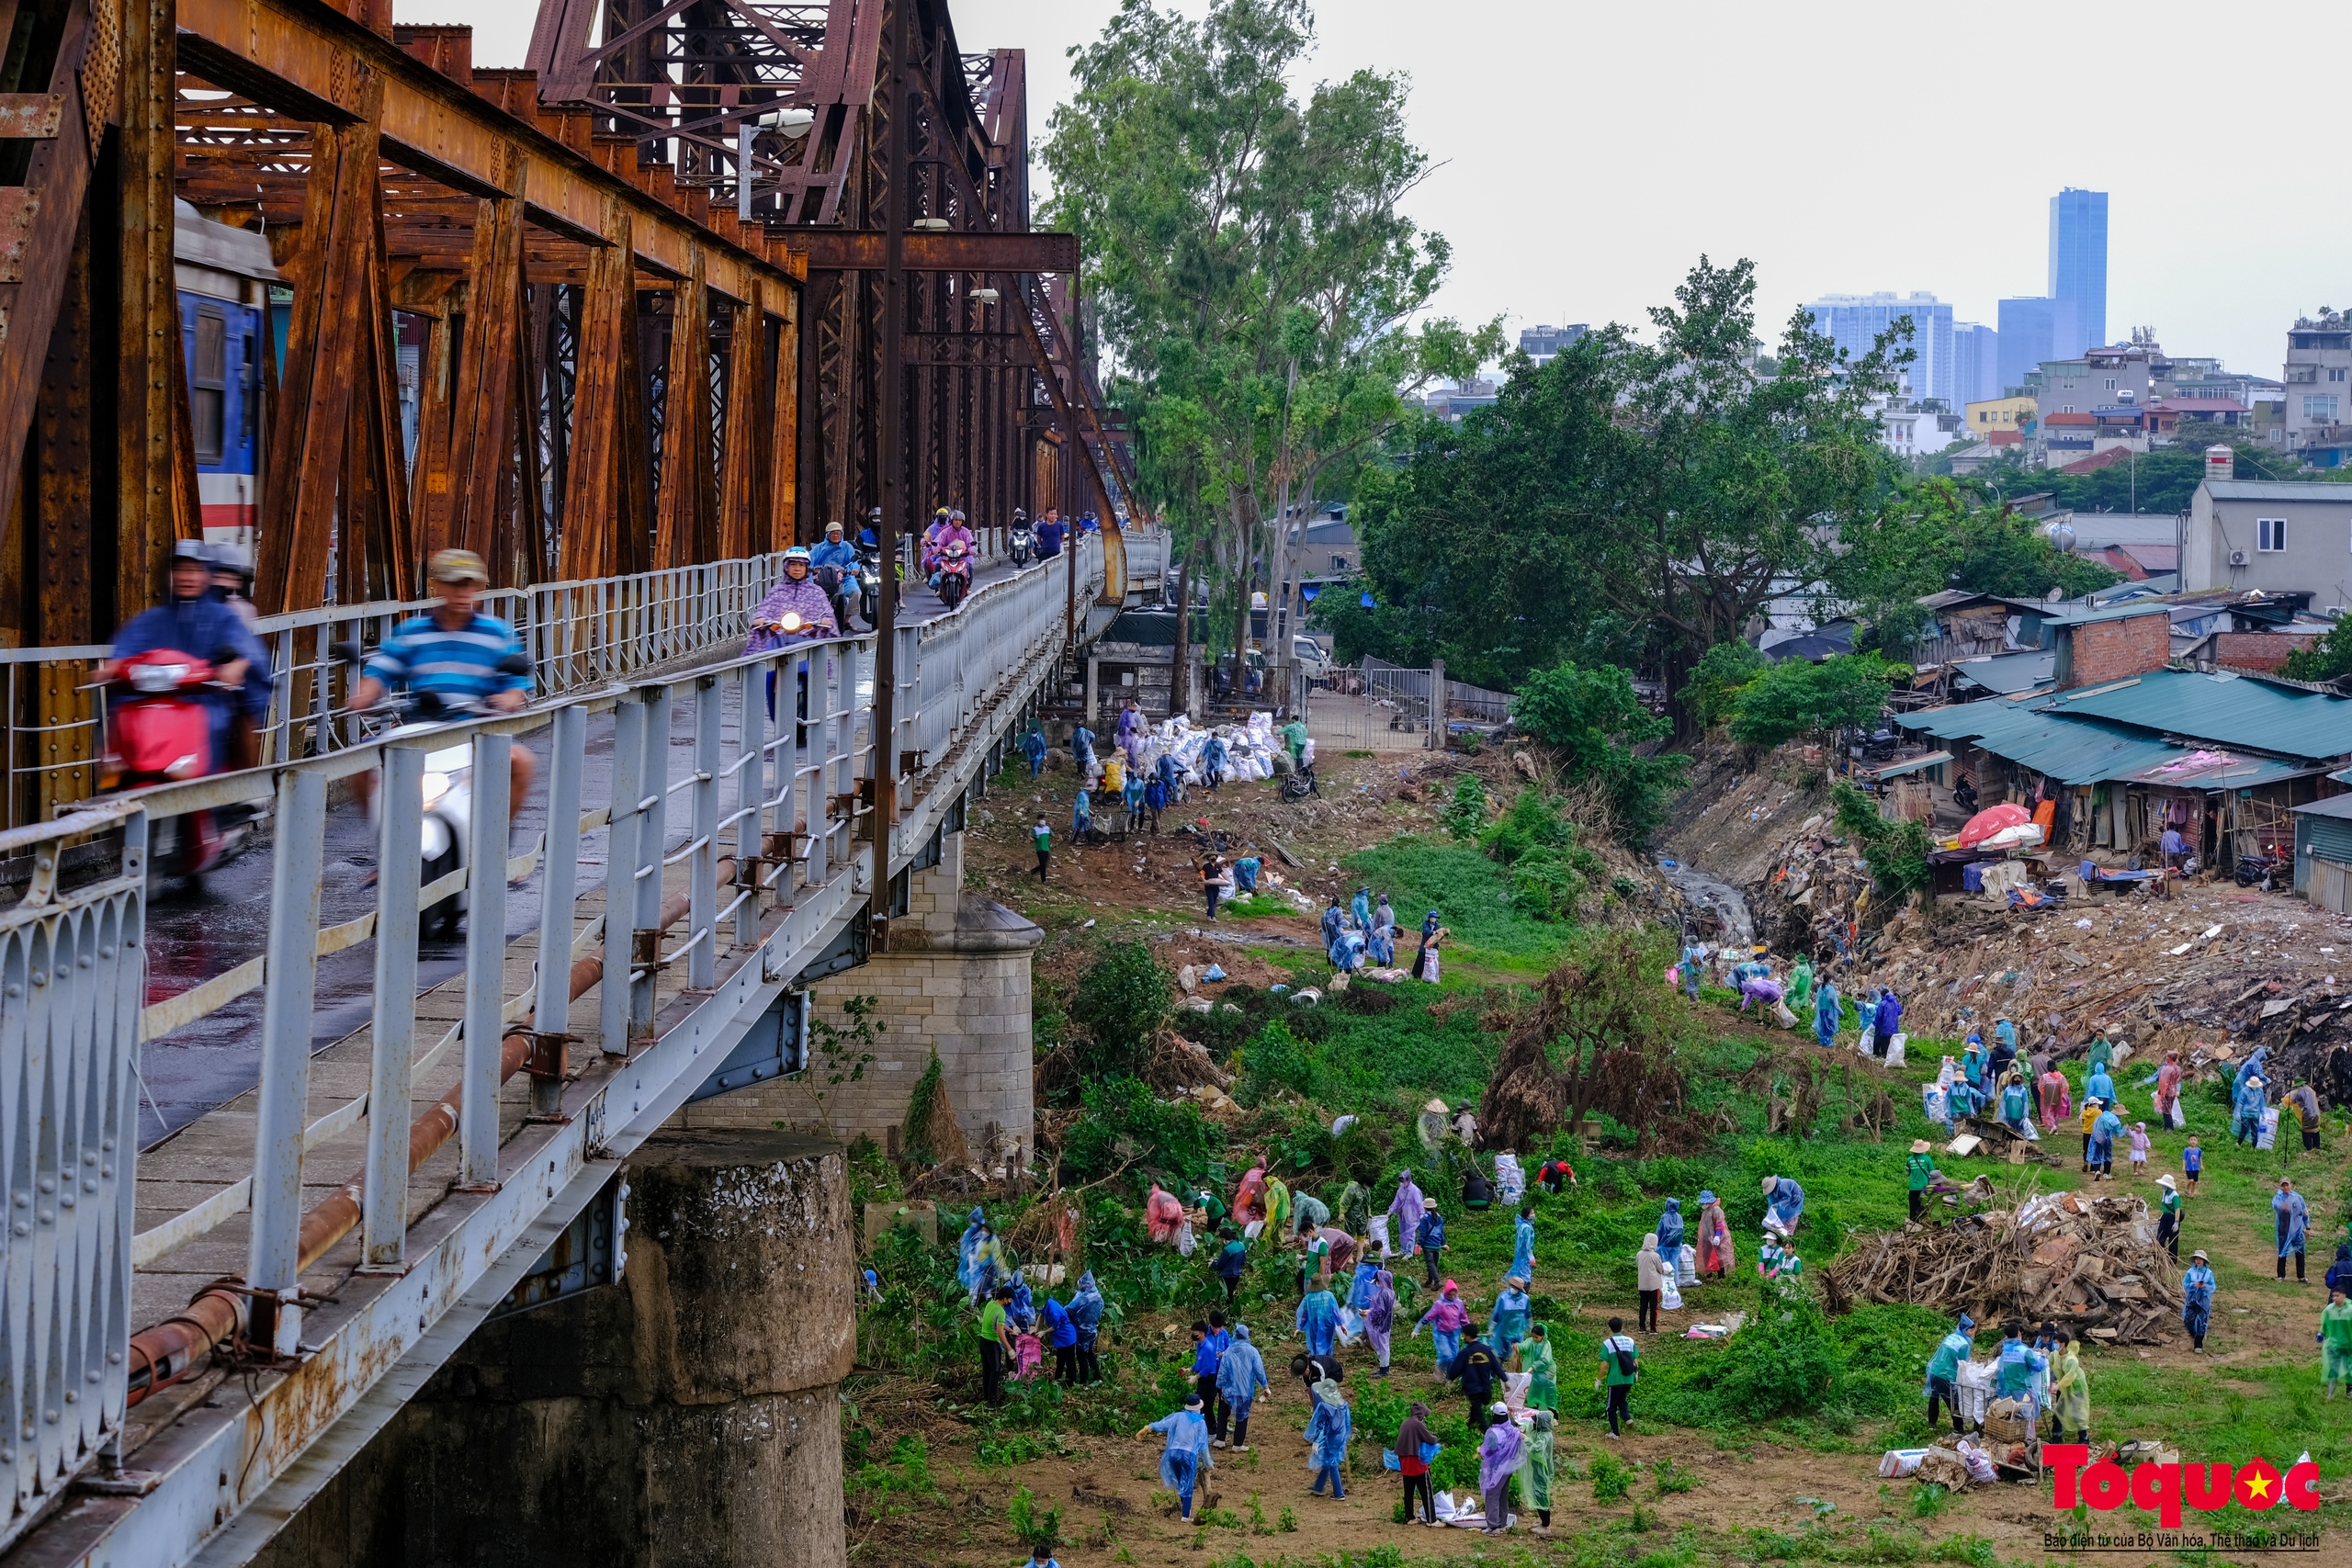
{"x": 1544, "y": 343}
{"x": 1853, "y": 321}
{"x": 2078, "y": 263}
{"x": 1975, "y": 363}
{"x": 2031, "y": 329}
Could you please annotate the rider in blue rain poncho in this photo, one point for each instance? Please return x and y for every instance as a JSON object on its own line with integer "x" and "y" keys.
{"x": 1185, "y": 1460}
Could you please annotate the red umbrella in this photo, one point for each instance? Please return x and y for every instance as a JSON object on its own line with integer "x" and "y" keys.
{"x": 1991, "y": 820}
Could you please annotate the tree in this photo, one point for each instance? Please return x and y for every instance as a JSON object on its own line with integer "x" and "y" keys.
{"x": 1795, "y": 697}
{"x": 1121, "y": 1002}
{"x": 1661, "y": 483}
{"x": 1927, "y": 537}
{"x": 1252, "y": 273}
{"x": 1717, "y": 680}
{"x": 2324, "y": 659}
{"x": 1596, "y": 723}
{"x": 1602, "y": 1035}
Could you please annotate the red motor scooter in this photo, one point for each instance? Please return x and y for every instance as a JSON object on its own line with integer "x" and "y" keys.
{"x": 159, "y": 730}
{"x": 954, "y": 575}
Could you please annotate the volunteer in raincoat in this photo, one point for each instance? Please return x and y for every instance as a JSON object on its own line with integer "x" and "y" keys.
{"x": 1543, "y": 1370}
{"x": 1277, "y": 1211}
{"x": 2070, "y": 1393}
{"x": 969, "y": 1268}
{"x": 1800, "y": 983}
{"x": 1714, "y": 1238}
{"x": 1785, "y": 1201}
{"x": 1359, "y": 909}
{"x": 1380, "y": 1316}
{"x": 1825, "y": 1014}
{"x": 1509, "y": 1326}
{"x": 1318, "y": 1321}
{"x": 1240, "y": 1378}
{"x": 2020, "y": 1367}
{"x": 1086, "y": 1317}
{"x": 1185, "y": 1461}
{"x": 1535, "y": 1475}
{"x": 2016, "y": 1105}
{"x": 1249, "y": 1198}
{"x": 2249, "y": 1105}
{"x": 2292, "y": 1216}
{"x": 1327, "y": 1431}
{"x": 1405, "y": 1209}
{"x": 1444, "y": 1320}
{"x": 1162, "y": 1214}
{"x": 1669, "y": 1238}
{"x": 2196, "y": 1298}
{"x": 1500, "y": 1453}
{"x": 1355, "y": 1209}
{"x": 1523, "y": 1250}
{"x": 1943, "y": 1372}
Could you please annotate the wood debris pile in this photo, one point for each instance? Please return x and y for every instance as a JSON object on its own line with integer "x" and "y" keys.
{"x": 2090, "y": 1264}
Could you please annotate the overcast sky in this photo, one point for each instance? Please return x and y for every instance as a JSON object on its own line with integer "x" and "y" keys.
{"x": 1592, "y": 152}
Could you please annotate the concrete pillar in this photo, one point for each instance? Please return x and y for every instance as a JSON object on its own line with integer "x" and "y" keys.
{"x": 1093, "y": 688}
{"x": 1436, "y": 739}
{"x": 956, "y": 979}
{"x": 687, "y": 1416}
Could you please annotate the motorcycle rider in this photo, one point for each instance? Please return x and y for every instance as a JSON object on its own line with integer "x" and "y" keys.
{"x": 232, "y": 580}
{"x": 870, "y": 536}
{"x": 451, "y": 651}
{"x": 831, "y": 560}
{"x": 199, "y": 622}
{"x": 947, "y": 529}
{"x": 798, "y": 593}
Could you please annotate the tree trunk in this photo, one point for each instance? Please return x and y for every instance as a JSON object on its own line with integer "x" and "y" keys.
{"x": 1178, "y": 695}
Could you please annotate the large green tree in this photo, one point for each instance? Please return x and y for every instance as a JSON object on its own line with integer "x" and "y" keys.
{"x": 1260, "y": 292}
{"x": 1648, "y": 494}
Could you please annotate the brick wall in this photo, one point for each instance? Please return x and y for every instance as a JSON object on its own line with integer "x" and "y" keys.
{"x": 2116, "y": 651}
{"x": 2258, "y": 650}
{"x": 957, "y": 979}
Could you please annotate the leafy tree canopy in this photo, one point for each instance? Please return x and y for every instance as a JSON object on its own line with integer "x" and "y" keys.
{"x": 1593, "y": 720}
{"x": 1795, "y": 697}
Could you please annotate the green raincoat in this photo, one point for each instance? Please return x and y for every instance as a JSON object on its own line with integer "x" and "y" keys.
{"x": 1543, "y": 1372}
{"x": 1535, "y": 1473}
{"x": 2071, "y": 1393}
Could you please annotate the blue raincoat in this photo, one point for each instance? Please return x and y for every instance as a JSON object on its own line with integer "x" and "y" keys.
{"x": 1335, "y": 921}
{"x": 1522, "y": 1249}
{"x": 1213, "y": 759}
{"x": 1330, "y": 1428}
{"x": 1065, "y": 1332}
{"x": 1245, "y": 874}
{"x": 1787, "y": 1201}
{"x": 2196, "y": 1298}
{"x": 1023, "y": 1310}
{"x": 1366, "y": 1283}
{"x": 1318, "y": 1319}
{"x": 2100, "y": 1087}
{"x": 1509, "y": 1326}
{"x": 1086, "y": 1309}
{"x": 1825, "y": 1014}
{"x": 2253, "y": 1067}
{"x": 1240, "y": 1373}
{"x": 1670, "y": 1233}
{"x": 2293, "y": 1218}
{"x": 2021, "y": 1366}
{"x": 1360, "y": 909}
{"x": 971, "y": 1267}
{"x": 1033, "y": 746}
{"x": 1346, "y": 951}
{"x": 1186, "y": 1455}
{"x": 2250, "y": 1106}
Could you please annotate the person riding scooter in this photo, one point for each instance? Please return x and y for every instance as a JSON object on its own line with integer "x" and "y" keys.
{"x": 795, "y": 609}
{"x": 199, "y": 623}
{"x": 451, "y": 653}
{"x": 832, "y": 562}
{"x": 870, "y": 536}
{"x": 944, "y": 530}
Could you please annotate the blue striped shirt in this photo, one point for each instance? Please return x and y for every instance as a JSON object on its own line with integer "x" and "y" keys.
{"x": 421, "y": 656}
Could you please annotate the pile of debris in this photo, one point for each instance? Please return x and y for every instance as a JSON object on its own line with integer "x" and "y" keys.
{"x": 2091, "y": 1265}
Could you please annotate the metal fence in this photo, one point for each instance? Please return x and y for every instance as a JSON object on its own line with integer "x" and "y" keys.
{"x": 780, "y": 793}
{"x": 1387, "y": 707}
{"x": 580, "y": 635}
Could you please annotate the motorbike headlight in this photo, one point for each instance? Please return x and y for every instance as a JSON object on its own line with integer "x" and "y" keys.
{"x": 157, "y": 677}
{"x": 792, "y": 621}
{"x": 436, "y": 786}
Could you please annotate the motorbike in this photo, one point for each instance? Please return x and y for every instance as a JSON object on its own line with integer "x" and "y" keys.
{"x": 159, "y": 730}
{"x": 1301, "y": 784}
{"x": 869, "y": 584}
{"x": 448, "y": 787}
{"x": 954, "y": 575}
{"x": 1023, "y": 545}
{"x": 2265, "y": 868}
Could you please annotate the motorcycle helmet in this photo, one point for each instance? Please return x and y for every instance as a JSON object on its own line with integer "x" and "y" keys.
{"x": 1019, "y": 516}
{"x": 796, "y": 553}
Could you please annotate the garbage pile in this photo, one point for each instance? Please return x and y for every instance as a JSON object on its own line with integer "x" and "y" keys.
{"x": 1251, "y": 749}
{"x": 2091, "y": 1265}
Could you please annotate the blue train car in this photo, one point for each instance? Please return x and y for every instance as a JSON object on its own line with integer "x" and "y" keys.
{"x": 223, "y": 275}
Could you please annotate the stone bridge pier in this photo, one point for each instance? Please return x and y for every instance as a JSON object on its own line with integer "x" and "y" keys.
{"x": 686, "y": 1417}
{"x": 956, "y": 980}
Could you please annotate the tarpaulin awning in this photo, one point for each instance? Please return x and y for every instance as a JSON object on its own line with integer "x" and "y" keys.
{"x": 1912, "y": 766}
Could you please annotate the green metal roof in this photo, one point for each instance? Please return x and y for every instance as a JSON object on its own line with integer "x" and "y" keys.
{"x": 2233, "y": 710}
{"x": 2113, "y": 613}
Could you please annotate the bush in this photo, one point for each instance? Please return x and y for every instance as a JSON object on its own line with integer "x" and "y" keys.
{"x": 1716, "y": 680}
{"x": 1796, "y": 697}
{"x": 1123, "y": 1122}
{"x": 1466, "y": 814}
{"x": 1123, "y": 999}
{"x": 1549, "y": 869}
{"x": 1610, "y": 1479}
{"x": 1897, "y": 851}
{"x": 1596, "y": 723}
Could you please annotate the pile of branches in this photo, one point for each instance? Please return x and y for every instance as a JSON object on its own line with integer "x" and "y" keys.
{"x": 1168, "y": 1063}
{"x": 2091, "y": 1265}
{"x": 1598, "y": 1038}
{"x": 1796, "y": 1082}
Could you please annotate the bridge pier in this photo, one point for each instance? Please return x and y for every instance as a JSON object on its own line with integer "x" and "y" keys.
{"x": 956, "y": 979}
{"x": 686, "y": 1417}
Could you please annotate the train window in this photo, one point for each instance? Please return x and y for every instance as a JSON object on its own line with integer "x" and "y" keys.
{"x": 209, "y": 384}
{"x": 249, "y": 393}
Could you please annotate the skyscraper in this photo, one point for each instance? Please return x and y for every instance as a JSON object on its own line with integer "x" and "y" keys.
{"x": 2078, "y": 263}
{"x": 2033, "y": 330}
{"x": 1854, "y": 321}
{"x": 1975, "y": 363}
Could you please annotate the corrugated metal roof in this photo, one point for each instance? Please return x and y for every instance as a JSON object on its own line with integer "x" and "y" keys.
{"x": 2232, "y": 709}
{"x": 2277, "y": 490}
{"x": 2334, "y": 806}
{"x": 2114, "y": 612}
{"x": 1912, "y": 766}
{"x": 2009, "y": 673}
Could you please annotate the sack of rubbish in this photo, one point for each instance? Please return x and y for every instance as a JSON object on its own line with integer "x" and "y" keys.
{"x": 1943, "y": 1468}
{"x": 1895, "y": 1050}
{"x": 1782, "y": 1016}
{"x": 1510, "y": 1181}
{"x": 1669, "y": 1298}
{"x": 1979, "y": 1462}
{"x": 1310, "y": 995}
{"x": 1895, "y": 1463}
{"x": 2269, "y": 1134}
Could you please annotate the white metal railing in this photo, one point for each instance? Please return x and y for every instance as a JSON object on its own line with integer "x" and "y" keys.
{"x": 778, "y": 793}
{"x": 579, "y": 634}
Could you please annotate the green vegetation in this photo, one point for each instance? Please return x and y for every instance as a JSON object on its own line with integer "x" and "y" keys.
{"x": 1121, "y": 1003}
{"x": 1593, "y": 721}
{"x": 1470, "y": 892}
{"x": 1550, "y": 872}
{"x": 1798, "y": 697}
{"x": 1717, "y": 680}
{"x": 1465, "y": 813}
{"x": 1925, "y": 537}
{"x": 1897, "y": 851}
{"x": 2327, "y": 658}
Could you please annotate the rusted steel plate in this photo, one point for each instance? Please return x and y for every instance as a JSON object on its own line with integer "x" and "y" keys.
{"x": 861, "y": 250}
{"x": 30, "y": 116}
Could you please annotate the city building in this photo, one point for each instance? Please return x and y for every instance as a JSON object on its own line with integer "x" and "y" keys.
{"x": 2031, "y": 332}
{"x": 1449, "y": 404}
{"x": 2120, "y": 373}
{"x": 2066, "y": 436}
{"x": 2278, "y": 535}
{"x": 2078, "y": 263}
{"x": 1854, "y": 321}
{"x": 2318, "y": 378}
{"x": 1544, "y": 344}
{"x": 2000, "y": 414}
{"x": 1975, "y": 363}
{"x": 1915, "y": 430}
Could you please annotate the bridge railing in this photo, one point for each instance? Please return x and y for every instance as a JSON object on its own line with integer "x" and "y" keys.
{"x": 579, "y": 634}
{"x": 735, "y": 817}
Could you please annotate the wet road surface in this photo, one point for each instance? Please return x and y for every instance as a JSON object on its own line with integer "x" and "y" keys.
{"x": 197, "y": 930}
